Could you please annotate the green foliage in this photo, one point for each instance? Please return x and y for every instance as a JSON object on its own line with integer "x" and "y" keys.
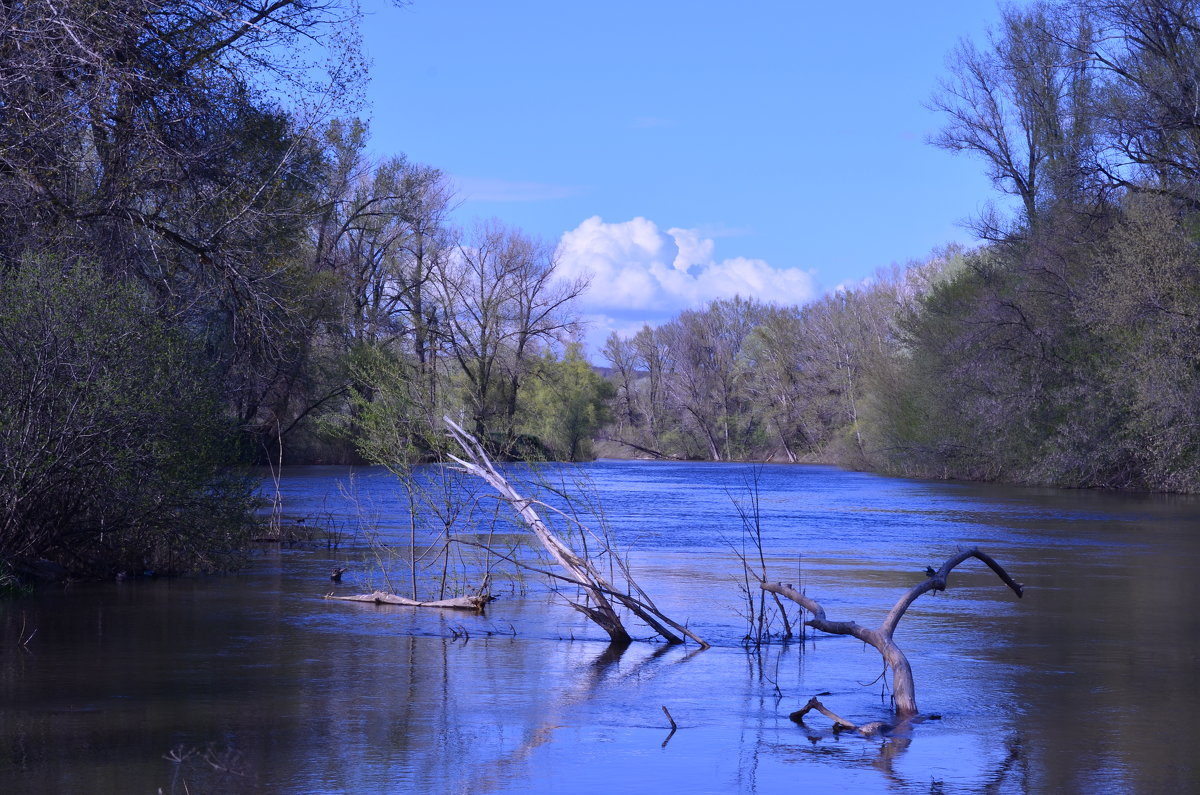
{"x": 1065, "y": 360}
{"x": 112, "y": 439}
{"x": 384, "y": 417}
{"x": 567, "y": 402}
{"x": 740, "y": 379}
{"x": 1144, "y": 305}
{"x": 1065, "y": 352}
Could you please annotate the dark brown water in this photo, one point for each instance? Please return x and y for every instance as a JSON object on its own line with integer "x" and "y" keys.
{"x": 254, "y": 683}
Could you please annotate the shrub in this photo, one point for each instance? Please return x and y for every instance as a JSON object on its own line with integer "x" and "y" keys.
{"x": 112, "y": 438}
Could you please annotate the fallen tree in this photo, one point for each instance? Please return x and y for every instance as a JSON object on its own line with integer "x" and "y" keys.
{"x": 601, "y": 596}
{"x": 903, "y": 690}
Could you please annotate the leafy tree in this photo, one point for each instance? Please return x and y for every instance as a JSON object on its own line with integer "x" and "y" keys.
{"x": 568, "y": 402}
{"x": 383, "y": 420}
{"x": 1144, "y": 303}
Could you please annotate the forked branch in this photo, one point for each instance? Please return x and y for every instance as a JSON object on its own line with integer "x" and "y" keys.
{"x": 902, "y": 680}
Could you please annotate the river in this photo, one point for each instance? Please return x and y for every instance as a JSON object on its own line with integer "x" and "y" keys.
{"x": 255, "y": 683}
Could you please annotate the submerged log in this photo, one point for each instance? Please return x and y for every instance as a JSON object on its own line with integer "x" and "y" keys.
{"x": 903, "y": 689}
{"x": 475, "y": 603}
{"x": 839, "y": 723}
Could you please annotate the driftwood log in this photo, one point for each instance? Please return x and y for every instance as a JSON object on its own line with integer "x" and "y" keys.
{"x": 840, "y": 723}
{"x": 903, "y": 689}
{"x": 475, "y": 603}
{"x": 602, "y": 596}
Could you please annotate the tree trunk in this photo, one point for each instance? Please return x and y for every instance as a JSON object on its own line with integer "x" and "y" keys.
{"x": 579, "y": 569}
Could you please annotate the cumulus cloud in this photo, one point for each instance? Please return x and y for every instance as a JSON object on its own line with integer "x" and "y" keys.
{"x": 640, "y": 272}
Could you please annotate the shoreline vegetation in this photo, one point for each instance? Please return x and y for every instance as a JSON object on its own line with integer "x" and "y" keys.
{"x": 204, "y": 269}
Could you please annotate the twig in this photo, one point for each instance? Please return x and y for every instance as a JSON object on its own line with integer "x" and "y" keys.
{"x": 674, "y": 728}
{"x": 22, "y": 638}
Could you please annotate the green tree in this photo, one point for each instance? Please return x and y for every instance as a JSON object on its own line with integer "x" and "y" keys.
{"x": 567, "y": 403}
{"x": 1144, "y": 303}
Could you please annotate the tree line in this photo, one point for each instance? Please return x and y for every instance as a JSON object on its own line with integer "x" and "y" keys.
{"x": 741, "y": 379}
{"x": 203, "y": 266}
{"x": 1064, "y": 350}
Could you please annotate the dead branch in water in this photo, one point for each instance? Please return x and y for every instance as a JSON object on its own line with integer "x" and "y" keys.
{"x": 381, "y": 598}
{"x": 600, "y": 593}
{"x": 881, "y": 638}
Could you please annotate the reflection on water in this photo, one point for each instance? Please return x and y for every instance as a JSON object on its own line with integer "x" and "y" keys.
{"x": 253, "y": 683}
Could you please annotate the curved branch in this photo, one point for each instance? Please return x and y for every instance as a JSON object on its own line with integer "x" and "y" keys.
{"x": 818, "y": 620}
{"x": 903, "y": 689}
{"x": 938, "y": 582}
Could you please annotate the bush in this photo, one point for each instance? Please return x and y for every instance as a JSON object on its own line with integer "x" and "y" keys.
{"x": 112, "y": 440}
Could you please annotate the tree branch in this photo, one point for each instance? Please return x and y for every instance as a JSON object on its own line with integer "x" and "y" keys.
{"x": 580, "y": 568}
{"x": 938, "y": 582}
{"x": 903, "y": 688}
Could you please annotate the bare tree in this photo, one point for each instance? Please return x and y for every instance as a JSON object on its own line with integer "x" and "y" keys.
{"x": 139, "y": 135}
{"x": 502, "y": 301}
{"x": 708, "y": 383}
{"x": 382, "y": 231}
{"x": 655, "y": 358}
{"x": 1151, "y": 119}
{"x": 775, "y": 376}
{"x": 620, "y": 353}
{"x": 1025, "y": 104}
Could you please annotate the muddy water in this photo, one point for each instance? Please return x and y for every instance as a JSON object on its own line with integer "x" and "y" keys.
{"x": 254, "y": 683}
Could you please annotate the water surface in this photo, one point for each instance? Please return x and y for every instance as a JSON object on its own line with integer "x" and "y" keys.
{"x": 254, "y": 683}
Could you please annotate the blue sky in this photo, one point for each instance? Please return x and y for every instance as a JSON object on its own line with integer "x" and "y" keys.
{"x": 681, "y": 151}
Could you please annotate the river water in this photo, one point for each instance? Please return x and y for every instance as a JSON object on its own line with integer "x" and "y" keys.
{"x": 255, "y": 683}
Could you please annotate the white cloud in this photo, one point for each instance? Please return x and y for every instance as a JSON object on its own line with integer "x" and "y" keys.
{"x": 640, "y": 274}
{"x": 636, "y": 267}
{"x": 623, "y": 261}
{"x": 694, "y": 248}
